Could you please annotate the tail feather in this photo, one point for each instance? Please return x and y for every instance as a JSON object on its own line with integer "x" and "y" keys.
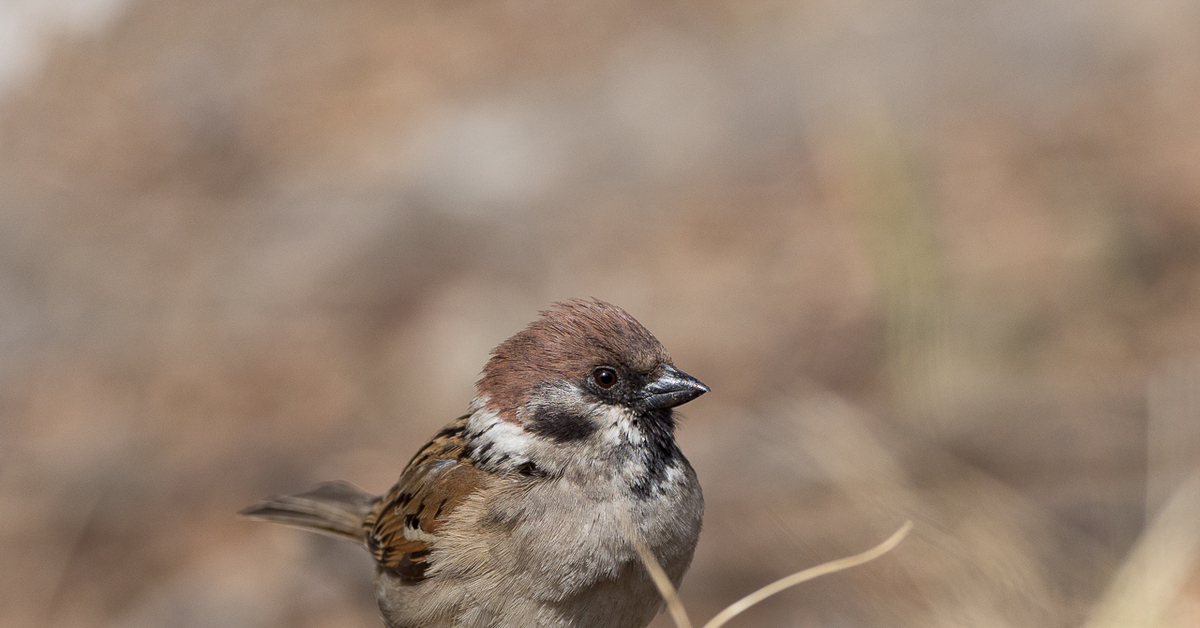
{"x": 334, "y": 508}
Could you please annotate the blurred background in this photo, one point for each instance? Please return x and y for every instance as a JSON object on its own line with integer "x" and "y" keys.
{"x": 938, "y": 260}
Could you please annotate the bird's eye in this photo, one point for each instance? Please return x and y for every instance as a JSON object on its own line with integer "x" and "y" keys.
{"x": 604, "y": 377}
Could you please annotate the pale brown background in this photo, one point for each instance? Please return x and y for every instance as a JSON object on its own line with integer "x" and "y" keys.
{"x": 937, "y": 259}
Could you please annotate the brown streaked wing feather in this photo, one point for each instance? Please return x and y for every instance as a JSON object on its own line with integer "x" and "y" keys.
{"x": 435, "y": 482}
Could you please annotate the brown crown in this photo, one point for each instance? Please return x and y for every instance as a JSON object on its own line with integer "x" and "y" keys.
{"x": 567, "y": 342}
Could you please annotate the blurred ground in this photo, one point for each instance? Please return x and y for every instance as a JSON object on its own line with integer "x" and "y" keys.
{"x": 937, "y": 260}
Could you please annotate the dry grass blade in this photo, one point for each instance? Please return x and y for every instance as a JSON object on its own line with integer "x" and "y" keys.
{"x": 679, "y": 614}
{"x": 808, "y": 574}
{"x": 665, "y": 588}
{"x": 1155, "y": 575}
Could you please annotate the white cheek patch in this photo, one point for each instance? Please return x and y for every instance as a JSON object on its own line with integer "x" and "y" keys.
{"x": 494, "y": 440}
{"x": 618, "y": 426}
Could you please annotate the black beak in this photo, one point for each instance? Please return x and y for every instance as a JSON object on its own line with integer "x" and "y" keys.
{"x": 673, "y": 387}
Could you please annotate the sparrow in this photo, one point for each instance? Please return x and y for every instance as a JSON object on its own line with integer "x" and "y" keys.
{"x": 519, "y": 513}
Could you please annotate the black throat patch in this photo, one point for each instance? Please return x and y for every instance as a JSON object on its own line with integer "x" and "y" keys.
{"x": 659, "y": 452}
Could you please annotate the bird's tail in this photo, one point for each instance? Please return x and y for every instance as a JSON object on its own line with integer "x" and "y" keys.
{"x": 334, "y": 508}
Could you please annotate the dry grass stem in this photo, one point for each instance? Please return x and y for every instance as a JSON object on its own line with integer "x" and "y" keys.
{"x": 1157, "y": 570}
{"x": 679, "y": 614}
{"x": 665, "y": 588}
{"x": 808, "y": 574}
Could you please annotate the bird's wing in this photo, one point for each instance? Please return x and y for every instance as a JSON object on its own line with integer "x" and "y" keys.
{"x": 404, "y": 523}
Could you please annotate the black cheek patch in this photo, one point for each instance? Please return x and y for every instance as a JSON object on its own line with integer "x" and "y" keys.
{"x": 561, "y": 426}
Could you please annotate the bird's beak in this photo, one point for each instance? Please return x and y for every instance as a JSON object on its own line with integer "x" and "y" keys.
{"x": 673, "y": 387}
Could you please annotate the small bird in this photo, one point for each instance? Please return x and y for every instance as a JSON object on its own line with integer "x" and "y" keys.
{"x": 519, "y": 513}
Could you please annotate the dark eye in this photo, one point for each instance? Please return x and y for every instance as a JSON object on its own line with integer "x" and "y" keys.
{"x": 604, "y": 377}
